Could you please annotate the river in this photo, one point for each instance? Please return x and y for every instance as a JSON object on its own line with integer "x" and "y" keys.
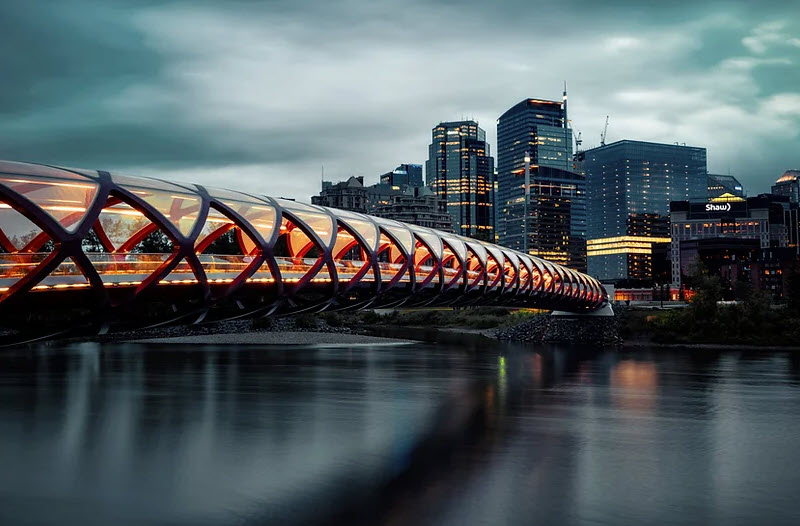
{"x": 459, "y": 433}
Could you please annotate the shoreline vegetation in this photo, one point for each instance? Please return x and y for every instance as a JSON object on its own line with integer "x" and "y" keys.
{"x": 700, "y": 325}
{"x": 750, "y": 324}
{"x": 720, "y": 314}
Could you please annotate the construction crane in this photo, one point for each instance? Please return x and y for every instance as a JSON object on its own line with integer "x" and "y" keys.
{"x": 578, "y": 140}
{"x": 603, "y": 135}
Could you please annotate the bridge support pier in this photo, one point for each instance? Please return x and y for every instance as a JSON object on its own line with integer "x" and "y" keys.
{"x": 603, "y": 312}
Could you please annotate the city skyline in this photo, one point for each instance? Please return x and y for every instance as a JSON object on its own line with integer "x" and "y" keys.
{"x": 270, "y": 93}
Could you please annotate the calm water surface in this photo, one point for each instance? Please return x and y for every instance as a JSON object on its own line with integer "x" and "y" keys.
{"x": 450, "y": 434}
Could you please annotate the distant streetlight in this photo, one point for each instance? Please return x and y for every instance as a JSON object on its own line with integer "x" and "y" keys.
{"x": 527, "y": 200}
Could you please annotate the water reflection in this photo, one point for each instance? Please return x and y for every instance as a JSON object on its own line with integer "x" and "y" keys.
{"x": 451, "y": 433}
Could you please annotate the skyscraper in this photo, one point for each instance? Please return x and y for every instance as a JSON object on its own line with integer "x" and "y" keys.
{"x": 460, "y": 169}
{"x": 551, "y": 220}
{"x": 788, "y": 185}
{"x": 629, "y": 188}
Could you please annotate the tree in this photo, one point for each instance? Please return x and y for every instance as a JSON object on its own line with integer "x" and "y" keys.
{"x": 91, "y": 243}
{"x": 791, "y": 288}
{"x": 707, "y": 291}
{"x": 225, "y": 245}
{"x": 155, "y": 243}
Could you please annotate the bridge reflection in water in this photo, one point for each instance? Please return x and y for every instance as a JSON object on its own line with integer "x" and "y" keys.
{"x": 108, "y": 244}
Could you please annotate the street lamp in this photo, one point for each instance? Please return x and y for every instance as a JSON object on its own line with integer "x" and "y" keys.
{"x": 527, "y": 200}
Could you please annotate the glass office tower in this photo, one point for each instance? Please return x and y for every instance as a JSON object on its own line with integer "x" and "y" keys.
{"x": 404, "y": 175}
{"x": 460, "y": 170}
{"x": 629, "y": 179}
{"x": 555, "y": 221}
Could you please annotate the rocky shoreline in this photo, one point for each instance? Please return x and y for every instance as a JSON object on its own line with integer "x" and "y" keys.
{"x": 294, "y": 324}
{"x": 603, "y": 331}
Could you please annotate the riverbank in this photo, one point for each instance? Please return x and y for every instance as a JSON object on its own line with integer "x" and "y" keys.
{"x": 635, "y": 345}
{"x": 731, "y": 326}
{"x": 277, "y": 338}
{"x": 629, "y": 328}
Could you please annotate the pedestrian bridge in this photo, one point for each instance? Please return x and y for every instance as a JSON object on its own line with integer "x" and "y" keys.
{"x": 108, "y": 246}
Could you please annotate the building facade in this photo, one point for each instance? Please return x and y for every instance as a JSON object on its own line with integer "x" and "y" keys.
{"x": 460, "y": 170}
{"x": 346, "y": 195}
{"x": 354, "y": 196}
{"x": 381, "y": 194}
{"x": 418, "y": 206}
{"x": 788, "y": 185}
{"x": 551, "y": 218}
{"x": 722, "y": 185}
{"x": 404, "y": 175}
{"x": 630, "y": 185}
{"x": 638, "y": 258}
{"x": 730, "y": 239}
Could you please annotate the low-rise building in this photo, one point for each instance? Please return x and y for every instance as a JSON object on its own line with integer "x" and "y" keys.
{"x": 719, "y": 185}
{"x": 346, "y": 195}
{"x": 381, "y": 194}
{"x": 418, "y": 206}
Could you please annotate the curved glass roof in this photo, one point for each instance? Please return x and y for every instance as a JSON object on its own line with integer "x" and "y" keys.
{"x": 215, "y": 237}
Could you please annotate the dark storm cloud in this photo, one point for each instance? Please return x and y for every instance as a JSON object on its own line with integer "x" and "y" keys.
{"x": 267, "y": 92}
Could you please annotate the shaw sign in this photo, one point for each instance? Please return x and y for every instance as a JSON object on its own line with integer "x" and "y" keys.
{"x": 711, "y": 207}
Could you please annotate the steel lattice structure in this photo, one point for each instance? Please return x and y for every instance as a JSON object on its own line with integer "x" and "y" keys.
{"x": 91, "y": 233}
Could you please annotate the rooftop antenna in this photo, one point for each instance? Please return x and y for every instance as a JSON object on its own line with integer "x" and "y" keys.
{"x": 566, "y": 120}
{"x": 605, "y": 132}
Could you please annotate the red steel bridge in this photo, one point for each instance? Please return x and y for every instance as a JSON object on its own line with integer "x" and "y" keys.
{"x": 93, "y": 247}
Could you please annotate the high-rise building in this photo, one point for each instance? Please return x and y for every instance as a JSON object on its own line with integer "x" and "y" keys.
{"x": 724, "y": 185}
{"x": 629, "y": 179}
{"x": 459, "y": 170}
{"x": 788, "y": 185}
{"x": 404, "y": 175}
{"x": 550, "y": 220}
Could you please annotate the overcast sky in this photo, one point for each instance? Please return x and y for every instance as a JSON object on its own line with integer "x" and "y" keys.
{"x": 258, "y": 95}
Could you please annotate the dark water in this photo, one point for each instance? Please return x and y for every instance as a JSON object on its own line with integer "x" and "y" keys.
{"x": 454, "y": 434}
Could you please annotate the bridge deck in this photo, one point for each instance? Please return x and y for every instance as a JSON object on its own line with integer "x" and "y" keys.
{"x": 66, "y": 229}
